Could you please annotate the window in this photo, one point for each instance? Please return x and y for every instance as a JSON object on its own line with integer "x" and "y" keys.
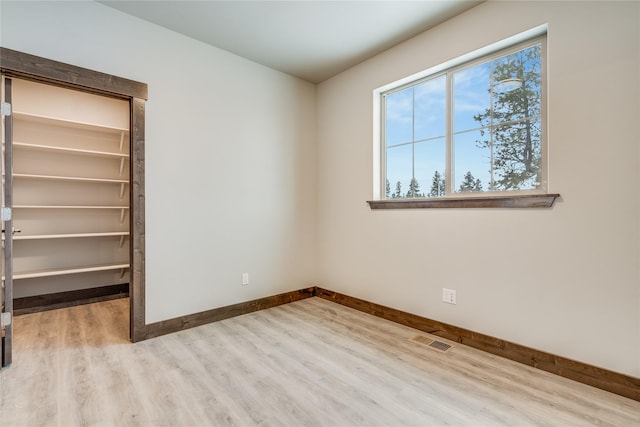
{"x": 476, "y": 129}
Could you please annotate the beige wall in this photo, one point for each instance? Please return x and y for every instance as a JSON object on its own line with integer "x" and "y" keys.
{"x": 563, "y": 280}
{"x": 230, "y": 154}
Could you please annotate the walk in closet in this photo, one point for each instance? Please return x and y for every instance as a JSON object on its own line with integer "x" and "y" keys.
{"x": 70, "y": 190}
{"x": 72, "y": 199}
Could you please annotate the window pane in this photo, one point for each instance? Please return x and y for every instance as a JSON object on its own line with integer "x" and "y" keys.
{"x": 430, "y": 108}
{"x": 471, "y": 97}
{"x": 506, "y": 155}
{"x": 399, "y": 117}
{"x": 399, "y": 170}
{"x": 517, "y": 155}
{"x": 516, "y": 80}
{"x": 472, "y": 156}
{"x": 516, "y": 85}
{"x": 430, "y": 164}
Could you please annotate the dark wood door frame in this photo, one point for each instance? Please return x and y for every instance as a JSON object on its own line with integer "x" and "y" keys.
{"x": 7, "y": 255}
{"x": 30, "y": 67}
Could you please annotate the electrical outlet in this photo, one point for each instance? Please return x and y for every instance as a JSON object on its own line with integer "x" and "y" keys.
{"x": 449, "y": 296}
{"x": 245, "y": 279}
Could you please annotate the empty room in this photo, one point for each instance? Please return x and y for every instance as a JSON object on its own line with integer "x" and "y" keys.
{"x": 320, "y": 213}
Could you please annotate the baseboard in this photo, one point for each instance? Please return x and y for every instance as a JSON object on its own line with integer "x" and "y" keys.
{"x": 603, "y": 379}
{"x": 58, "y": 300}
{"x": 192, "y": 320}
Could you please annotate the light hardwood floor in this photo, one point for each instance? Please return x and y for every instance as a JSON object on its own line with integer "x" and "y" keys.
{"x": 309, "y": 363}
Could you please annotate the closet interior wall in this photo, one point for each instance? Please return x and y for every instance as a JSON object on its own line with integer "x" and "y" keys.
{"x": 70, "y": 189}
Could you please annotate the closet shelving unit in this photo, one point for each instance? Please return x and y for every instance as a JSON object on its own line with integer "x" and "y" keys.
{"x": 71, "y": 202}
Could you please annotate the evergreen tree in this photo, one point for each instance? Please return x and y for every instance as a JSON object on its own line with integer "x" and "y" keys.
{"x": 437, "y": 186}
{"x": 516, "y": 144}
{"x": 398, "y": 193}
{"x": 387, "y": 191}
{"x": 414, "y": 189}
{"x": 470, "y": 183}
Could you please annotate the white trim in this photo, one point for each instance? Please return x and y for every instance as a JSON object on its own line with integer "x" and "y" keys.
{"x": 532, "y": 33}
{"x": 379, "y": 158}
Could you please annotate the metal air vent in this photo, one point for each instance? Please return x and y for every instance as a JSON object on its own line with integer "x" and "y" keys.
{"x": 438, "y": 345}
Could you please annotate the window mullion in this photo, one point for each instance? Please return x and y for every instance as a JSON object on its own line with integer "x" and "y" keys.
{"x": 448, "y": 173}
{"x": 383, "y": 148}
{"x": 413, "y": 139}
{"x": 492, "y": 181}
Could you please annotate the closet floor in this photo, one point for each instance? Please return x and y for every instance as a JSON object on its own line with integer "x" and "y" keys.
{"x": 309, "y": 363}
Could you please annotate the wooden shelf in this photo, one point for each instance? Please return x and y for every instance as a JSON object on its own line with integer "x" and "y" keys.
{"x": 70, "y": 178}
{"x": 67, "y": 123}
{"x": 69, "y": 150}
{"x": 70, "y": 236}
{"x": 64, "y": 271}
{"x": 67, "y": 207}
{"x": 514, "y": 201}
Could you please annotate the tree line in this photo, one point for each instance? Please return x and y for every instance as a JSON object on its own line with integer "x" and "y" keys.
{"x": 469, "y": 183}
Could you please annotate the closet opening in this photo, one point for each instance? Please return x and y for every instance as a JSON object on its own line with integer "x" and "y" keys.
{"x": 73, "y": 189}
{"x": 70, "y": 196}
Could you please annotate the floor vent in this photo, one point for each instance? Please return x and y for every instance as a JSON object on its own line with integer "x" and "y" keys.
{"x": 438, "y": 345}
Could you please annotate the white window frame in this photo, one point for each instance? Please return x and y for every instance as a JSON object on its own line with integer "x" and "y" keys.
{"x": 504, "y": 47}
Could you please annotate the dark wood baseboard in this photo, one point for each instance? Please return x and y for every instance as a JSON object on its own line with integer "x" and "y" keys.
{"x": 192, "y": 320}
{"x": 46, "y": 302}
{"x": 603, "y": 379}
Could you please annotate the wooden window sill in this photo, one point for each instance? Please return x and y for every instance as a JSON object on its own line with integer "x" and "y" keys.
{"x": 519, "y": 201}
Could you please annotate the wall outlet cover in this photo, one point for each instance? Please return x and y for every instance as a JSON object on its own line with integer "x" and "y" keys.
{"x": 449, "y": 296}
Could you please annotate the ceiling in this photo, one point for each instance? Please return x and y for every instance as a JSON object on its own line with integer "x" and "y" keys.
{"x": 312, "y": 40}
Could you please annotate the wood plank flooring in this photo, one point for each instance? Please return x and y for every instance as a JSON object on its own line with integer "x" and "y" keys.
{"x": 308, "y": 363}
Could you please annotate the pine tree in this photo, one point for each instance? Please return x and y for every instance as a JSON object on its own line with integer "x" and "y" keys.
{"x": 398, "y": 193}
{"x": 437, "y": 186}
{"x": 516, "y": 146}
{"x": 470, "y": 183}
{"x": 414, "y": 189}
{"x": 387, "y": 191}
